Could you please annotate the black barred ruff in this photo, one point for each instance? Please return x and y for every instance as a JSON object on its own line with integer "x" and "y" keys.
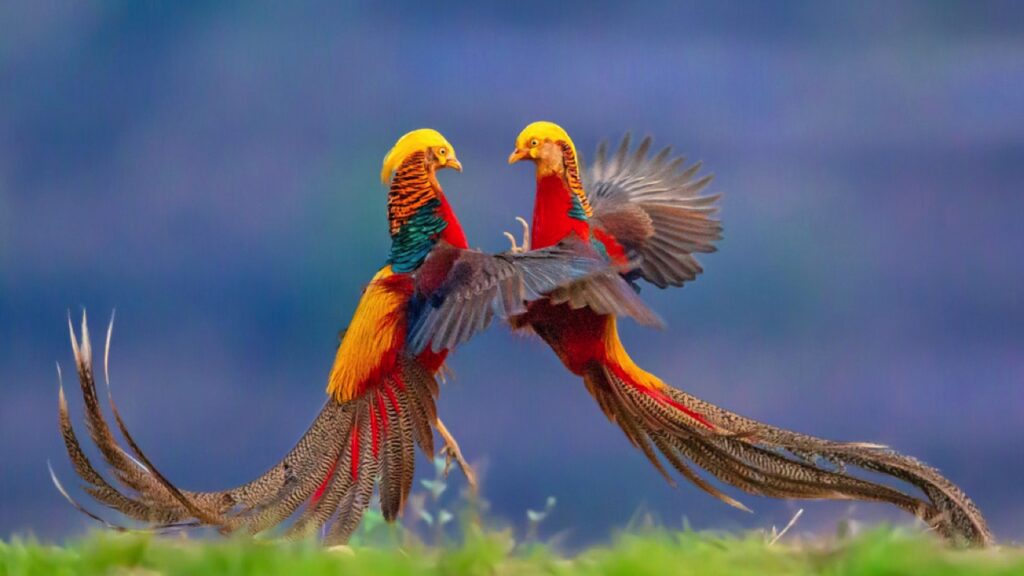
{"x": 413, "y": 216}
{"x": 581, "y": 203}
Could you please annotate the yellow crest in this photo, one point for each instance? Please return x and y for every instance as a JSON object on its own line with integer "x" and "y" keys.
{"x": 414, "y": 141}
{"x": 538, "y": 132}
{"x": 541, "y": 131}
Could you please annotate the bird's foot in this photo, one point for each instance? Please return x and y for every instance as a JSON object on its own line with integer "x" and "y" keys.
{"x": 525, "y": 246}
{"x": 451, "y": 452}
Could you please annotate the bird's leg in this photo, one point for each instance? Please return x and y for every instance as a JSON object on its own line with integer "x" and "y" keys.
{"x": 525, "y": 247}
{"x": 451, "y": 452}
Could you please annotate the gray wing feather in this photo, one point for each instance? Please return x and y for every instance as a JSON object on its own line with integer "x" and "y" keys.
{"x": 653, "y": 206}
{"x": 606, "y": 293}
{"x": 480, "y": 286}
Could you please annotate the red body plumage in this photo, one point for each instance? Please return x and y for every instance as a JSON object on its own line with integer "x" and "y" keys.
{"x": 582, "y": 338}
{"x": 551, "y": 221}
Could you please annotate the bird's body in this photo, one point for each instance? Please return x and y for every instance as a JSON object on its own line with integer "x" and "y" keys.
{"x": 585, "y": 341}
{"x": 648, "y": 212}
{"x": 580, "y": 337}
{"x": 419, "y": 218}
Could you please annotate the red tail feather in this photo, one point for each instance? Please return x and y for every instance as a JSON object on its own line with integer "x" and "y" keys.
{"x": 392, "y": 399}
{"x": 323, "y": 486}
{"x": 662, "y": 398}
{"x": 382, "y": 412}
{"x": 355, "y": 451}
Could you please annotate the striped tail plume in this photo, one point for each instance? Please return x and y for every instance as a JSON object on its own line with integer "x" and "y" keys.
{"x": 349, "y": 449}
{"x": 768, "y": 461}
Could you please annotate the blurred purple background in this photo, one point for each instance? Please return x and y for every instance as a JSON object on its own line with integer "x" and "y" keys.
{"x": 211, "y": 172}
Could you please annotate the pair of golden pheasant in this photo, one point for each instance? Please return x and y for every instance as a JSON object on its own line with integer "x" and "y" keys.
{"x": 632, "y": 216}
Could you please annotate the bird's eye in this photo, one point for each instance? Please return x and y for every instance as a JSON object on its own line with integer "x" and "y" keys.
{"x": 442, "y": 151}
{"x": 534, "y": 143}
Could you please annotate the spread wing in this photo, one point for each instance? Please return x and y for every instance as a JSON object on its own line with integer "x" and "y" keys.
{"x": 459, "y": 292}
{"x": 652, "y": 206}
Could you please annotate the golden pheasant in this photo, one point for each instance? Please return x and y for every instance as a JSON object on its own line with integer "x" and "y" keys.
{"x": 635, "y": 207}
{"x": 380, "y": 393}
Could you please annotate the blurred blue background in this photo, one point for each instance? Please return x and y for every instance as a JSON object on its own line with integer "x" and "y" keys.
{"x": 211, "y": 172}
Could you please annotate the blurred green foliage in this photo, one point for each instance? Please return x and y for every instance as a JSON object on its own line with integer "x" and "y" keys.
{"x": 880, "y": 552}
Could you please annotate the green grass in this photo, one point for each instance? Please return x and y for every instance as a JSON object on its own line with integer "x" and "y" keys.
{"x": 880, "y": 552}
{"x": 447, "y": 533}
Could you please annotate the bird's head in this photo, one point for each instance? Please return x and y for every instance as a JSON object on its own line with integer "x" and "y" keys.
{"x": 547, "y": 145}
{"x": 437, "y": 152}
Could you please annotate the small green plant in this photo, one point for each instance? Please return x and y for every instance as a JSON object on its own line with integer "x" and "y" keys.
{"x": 534, "y": 519}
{"x": 428, "y": 507}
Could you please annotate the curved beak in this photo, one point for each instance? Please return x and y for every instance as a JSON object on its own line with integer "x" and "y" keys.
{"x": 454, "y": 164}
{"x": 517, "y": 155}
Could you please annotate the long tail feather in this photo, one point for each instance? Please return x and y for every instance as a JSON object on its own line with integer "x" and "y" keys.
{"x": 392, "y": 499}
{"x": 964, "y": 516}
{"x": 769, "y": 461}
{"x": 333, "y": 468}
{"x": 74, "y": 503}
{"x": 320, "y": 510}
{"x": 103, "y": 521}
{"x": 357, "y": 499}
{"x": 96, "y": 485}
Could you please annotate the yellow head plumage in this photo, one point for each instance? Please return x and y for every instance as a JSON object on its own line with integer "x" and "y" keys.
{"x": 531, "y": 144}
{"x": 416, "y": 141}
{"x": 538, "y": 132}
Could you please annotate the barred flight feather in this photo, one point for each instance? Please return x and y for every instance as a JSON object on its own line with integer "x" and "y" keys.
{"x": 680, "y": 221}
